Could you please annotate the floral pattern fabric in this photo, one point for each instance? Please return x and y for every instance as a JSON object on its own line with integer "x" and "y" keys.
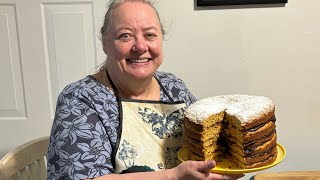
{"x": 84, "y": 130}
{"x": 161, "y": 126}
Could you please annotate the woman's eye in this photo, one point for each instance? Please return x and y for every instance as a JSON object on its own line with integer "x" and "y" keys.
{"x": 150, "y": 35}
{"x": 125, "y": 36}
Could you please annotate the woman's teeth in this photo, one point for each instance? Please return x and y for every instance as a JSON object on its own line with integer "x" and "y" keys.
{"x": 138, "y": 60}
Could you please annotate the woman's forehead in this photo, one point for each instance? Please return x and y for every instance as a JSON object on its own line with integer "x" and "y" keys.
{"x": 135, "y": 14}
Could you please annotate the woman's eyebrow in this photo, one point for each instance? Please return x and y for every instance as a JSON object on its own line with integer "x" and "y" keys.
{"x": 150, "y": 27}
{"x": 147, "y": 28}
{"x": 123, "y": 28}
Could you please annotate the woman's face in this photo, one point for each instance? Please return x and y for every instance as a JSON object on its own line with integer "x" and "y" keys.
{"x": 134, "y": 41}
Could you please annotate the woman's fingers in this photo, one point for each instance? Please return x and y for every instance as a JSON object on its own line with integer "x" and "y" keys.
{"x": 200, "y": 170}
{"x": 225, "y": 176}
{"x": 204, "y": 165}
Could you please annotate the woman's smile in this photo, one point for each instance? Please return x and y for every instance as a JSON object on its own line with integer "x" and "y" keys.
{"x": 144, "y": 60}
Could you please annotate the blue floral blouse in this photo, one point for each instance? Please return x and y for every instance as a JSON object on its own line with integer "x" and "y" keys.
{"x": 84, "y": 130}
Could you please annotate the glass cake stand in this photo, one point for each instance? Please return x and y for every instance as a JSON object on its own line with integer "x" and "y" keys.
{"x": 227, "y": 167}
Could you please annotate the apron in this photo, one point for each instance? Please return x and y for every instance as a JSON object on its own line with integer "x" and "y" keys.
{"x": 150, "y": 134}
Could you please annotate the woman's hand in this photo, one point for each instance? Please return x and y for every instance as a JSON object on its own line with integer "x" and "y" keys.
{"x": 194, "y": 170}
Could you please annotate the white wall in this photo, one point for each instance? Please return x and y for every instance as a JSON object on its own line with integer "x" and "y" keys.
{"x": 260, "y": 50}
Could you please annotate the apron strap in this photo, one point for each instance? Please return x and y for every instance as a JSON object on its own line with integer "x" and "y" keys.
{"x": 112, "y": 84}
{"x": 164, "y": 90}
{"x": 119, "y": 130}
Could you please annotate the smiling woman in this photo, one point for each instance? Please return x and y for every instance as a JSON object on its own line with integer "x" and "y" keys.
{"x": 128, "y": 117}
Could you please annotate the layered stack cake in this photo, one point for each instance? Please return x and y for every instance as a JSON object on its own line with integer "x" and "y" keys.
{"x": 240, "y": 128}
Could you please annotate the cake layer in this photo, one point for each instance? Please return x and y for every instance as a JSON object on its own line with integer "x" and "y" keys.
{"x": 262, "y": 118}
{"x": 265, "y": 129}
{"x": 200, "y": 144}
{"x": 248, "y": 152}
{"x": 261, "y": 140}
{"x": 211, "y": 133}
{"x": 261, "y": 156}
{"x": 248, "y": 137}
{"x": 209, "y": 151}
{"x": 255, "y": 128}
{"x": 257, "y": 148}
{"x": 234, "y": 129}
{"x": 218, "y": 157}
{"x": 265, "y": 162}
{"x": 247, "y": 161}
{"x": 212, "y": 121}
{"x": 194, "y": 156}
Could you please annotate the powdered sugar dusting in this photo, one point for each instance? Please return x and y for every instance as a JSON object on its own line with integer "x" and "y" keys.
{"x": 244, "y": 107}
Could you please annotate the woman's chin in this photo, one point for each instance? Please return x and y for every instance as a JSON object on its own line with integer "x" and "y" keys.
{"x": 142, "y": 75}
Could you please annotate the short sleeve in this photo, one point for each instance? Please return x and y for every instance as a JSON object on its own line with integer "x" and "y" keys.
{"x": 82, "y": 135}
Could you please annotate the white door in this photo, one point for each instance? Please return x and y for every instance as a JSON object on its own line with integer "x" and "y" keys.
{"x": 44, "y": 45}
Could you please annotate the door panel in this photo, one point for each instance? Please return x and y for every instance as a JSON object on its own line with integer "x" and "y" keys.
{"x": 70, "y": 42}
{"x": 44, "y": 45}
{"x": 12, "y": 100}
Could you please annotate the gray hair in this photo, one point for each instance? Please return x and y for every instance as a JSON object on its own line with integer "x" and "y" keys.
{"x": 115, "y": 3}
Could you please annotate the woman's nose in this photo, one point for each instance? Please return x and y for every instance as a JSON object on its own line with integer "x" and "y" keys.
{"x": 140, "y": 45}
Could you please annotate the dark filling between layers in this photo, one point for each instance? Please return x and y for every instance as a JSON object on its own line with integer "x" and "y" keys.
{"x": 251, "y": 146}
{"x": 248, "y": 146}
{"x": 266, "y": 151}
{"x": 227, "y": 153}
{"x": 263, "y": 161}
{"x": 273, "y": 119}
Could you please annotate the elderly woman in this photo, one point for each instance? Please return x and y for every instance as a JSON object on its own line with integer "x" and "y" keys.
{"x": 128, "y": 117}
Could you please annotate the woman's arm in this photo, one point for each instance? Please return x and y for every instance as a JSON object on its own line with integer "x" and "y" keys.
{"x": 83, "y": 133}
